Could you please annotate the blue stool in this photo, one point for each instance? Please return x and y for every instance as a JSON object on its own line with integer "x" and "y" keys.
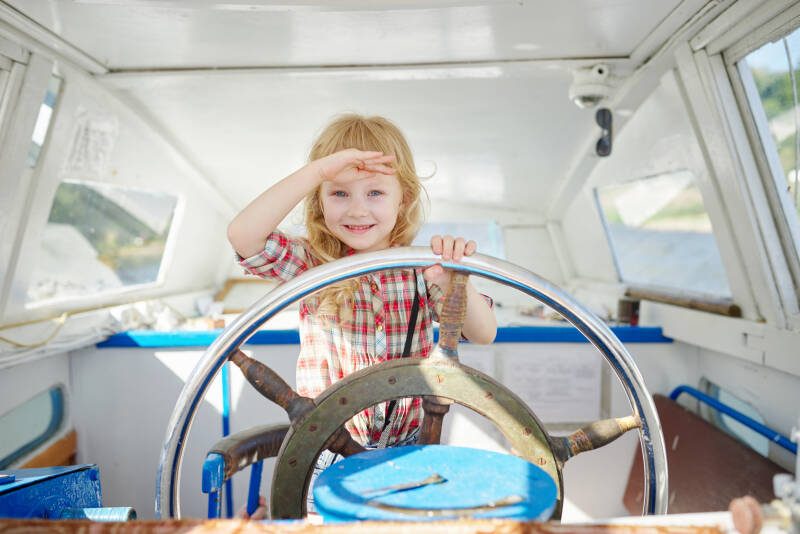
{"x": 385, "y": 484}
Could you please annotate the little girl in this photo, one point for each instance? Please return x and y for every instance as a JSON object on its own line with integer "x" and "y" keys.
{"x": 361, "y": 193}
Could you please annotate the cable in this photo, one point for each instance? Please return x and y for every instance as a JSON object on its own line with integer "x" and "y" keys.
{"x": 796, "y": 120}
{"x": 59, "y": 322}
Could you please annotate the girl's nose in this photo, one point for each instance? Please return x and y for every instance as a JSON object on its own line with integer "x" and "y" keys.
{"x": 357, "y": 207}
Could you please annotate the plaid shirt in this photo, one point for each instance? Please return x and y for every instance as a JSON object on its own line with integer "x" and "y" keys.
{"x": 331, "y": 350}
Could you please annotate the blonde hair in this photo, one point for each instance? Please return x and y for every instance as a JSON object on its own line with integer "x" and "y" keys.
{"x": 369, "y": 134}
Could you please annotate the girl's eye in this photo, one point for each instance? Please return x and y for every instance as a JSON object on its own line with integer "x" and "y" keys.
{"x": 339, "y": 194}
{"x": 375, "y": 193}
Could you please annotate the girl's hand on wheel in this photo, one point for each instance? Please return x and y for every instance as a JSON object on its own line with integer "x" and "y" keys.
{"x": 450, "y": 249}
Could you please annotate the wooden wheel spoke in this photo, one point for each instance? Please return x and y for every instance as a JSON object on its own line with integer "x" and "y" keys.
{"x": 593, "y": 436}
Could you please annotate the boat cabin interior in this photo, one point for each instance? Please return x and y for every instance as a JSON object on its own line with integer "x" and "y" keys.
{"x": 629, "y": 171}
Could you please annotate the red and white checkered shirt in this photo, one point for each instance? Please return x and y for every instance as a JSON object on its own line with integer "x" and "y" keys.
{"x": 331, "y": 350}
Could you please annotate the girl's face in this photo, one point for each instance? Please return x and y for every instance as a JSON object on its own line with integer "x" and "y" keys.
{"x": 362, "y": 213}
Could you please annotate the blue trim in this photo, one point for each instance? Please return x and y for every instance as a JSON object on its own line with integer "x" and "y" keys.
{"x": 505, "y": 334}
{"x": 212, "y": 480}
{"x": 255, "y": 485}
{"x": 226, "y": 430}
{"x": 770, "y": 434}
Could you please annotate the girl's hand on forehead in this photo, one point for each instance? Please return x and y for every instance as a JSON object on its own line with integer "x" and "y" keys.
{"x": 450, "y": 249}
{"x": 352, "y": 164}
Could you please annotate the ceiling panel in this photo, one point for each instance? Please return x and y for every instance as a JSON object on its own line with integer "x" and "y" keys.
{"x": 146, "y": 34}
{"x": 491, "y": 137}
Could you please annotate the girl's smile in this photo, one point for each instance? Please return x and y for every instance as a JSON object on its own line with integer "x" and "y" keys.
{"x": 359, "y": 229}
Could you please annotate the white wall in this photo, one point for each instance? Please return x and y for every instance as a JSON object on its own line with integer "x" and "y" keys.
{"x": 122, "y": 403}
{"x": 139, "y": 158}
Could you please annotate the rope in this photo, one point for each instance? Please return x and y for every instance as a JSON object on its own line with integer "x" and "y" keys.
{"x": 59, "y": 322}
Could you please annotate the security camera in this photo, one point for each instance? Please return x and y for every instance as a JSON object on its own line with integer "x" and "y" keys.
{"x": 590, "y": 85}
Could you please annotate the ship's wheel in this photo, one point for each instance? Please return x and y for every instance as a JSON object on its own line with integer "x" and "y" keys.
{"x": 439, "y": 379}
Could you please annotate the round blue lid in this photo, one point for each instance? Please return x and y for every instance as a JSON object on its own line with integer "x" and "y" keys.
{"x": 431, "y": 482}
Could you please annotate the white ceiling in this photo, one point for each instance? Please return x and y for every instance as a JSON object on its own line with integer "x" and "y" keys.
{"x": 149, "y": 34}
{"x": 480, "y": 88}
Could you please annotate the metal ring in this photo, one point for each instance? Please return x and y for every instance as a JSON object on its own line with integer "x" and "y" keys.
{"x": 596, "y": 331}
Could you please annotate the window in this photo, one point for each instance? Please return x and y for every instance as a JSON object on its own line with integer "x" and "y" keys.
{"x": 99, "y": 238}
{"x": 30, "y": 424}
{"x": 488, "y": 235}
{"x": 772, "y": 90}
{"x": 661, "y": 236}
{"x": 43, "y": 121}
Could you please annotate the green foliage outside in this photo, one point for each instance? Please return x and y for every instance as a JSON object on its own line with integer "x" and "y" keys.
{"x": 775, "y": 89}
{"x": 685, "y": 211}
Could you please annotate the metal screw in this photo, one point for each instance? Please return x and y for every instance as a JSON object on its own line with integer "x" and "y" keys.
{"x": 312, "y": 428}
{"x": 489, "y": 395}
{"x": 439, "y": 378}
{"x": 343, "y": 401}
{"x": 293, "y": 462}
{"x": 541, "y": 461}
{"x": 527, "y": 431}
{"x": 392, "y": 380}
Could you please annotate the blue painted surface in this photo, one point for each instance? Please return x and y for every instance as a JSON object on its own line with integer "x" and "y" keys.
{"x": 473, "y": 478}
{"x": 505, "y": 334}
{"x": 770, "y": 434}
{"x": 255, "y": 485}
{"x": 213, "y": 472}
{"x": 212, "y": 480}
{"x": 226, "y": 430}
{"x": 111, "y": 514}
{"x": 46, "y": 492}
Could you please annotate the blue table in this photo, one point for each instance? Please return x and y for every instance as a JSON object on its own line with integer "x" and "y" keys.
{"x": 478, "y": 483}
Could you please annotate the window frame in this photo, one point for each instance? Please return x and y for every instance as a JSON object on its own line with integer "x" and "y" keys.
{"x": 768, "y": 162}
{"x": 764, "y": 276}
{"x": 765, "y": 155}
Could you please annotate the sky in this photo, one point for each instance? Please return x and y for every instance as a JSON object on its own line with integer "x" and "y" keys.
{"x": 772, "y": 56}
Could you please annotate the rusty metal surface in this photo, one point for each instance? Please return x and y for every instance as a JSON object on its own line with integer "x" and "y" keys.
{"x": 234, "y": 526}
{"x": 405, "y": 378}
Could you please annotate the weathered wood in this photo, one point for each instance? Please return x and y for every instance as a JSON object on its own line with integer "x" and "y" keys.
{"x": 593, "y": 436}
{"x": 464, "y": 526}
{"x": 273, "y": 387}
{"x": 430, "y": 433}
{"x": 721, "y": 307}
{"x": 62, "y": 452}
{"x": 453, "y": 313}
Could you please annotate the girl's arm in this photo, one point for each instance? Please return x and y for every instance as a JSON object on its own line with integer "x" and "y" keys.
{"x": 480, "y": 325}
{"x": 249, "y": 230}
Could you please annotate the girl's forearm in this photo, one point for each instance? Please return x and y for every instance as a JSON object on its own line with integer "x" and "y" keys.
{"x": 480, "y": 325}
{"x": 248, "y": 231}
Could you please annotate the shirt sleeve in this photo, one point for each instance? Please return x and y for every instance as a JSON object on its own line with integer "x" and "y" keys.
{"x": 283, "y": 258}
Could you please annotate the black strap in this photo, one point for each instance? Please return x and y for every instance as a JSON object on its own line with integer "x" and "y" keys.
{"x": 412, "y": 323}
